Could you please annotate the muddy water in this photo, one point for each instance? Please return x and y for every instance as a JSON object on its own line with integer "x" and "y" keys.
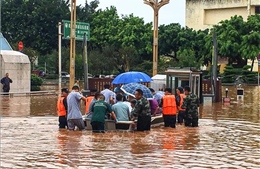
{"x": 228, "y": 137}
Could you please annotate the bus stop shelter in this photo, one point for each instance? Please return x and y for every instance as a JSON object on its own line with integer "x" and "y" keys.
{"x": 186, "y": 76}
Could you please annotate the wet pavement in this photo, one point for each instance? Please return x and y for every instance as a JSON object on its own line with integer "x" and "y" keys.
{"x": 228, "y": 136}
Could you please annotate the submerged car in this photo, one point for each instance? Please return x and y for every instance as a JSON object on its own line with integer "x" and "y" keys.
{"x": 65, "y": 75}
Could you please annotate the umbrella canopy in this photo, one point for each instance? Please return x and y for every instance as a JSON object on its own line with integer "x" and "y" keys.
{"x": 130, "y": 89}
{"x": 131, "y": 77}
{"x": 158, "y": 95}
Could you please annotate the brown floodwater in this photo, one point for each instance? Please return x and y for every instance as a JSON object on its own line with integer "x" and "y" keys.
{"x": 228, "y": 136}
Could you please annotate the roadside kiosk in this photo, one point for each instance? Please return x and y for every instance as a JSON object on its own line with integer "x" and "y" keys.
{"x": 186, "y": 76}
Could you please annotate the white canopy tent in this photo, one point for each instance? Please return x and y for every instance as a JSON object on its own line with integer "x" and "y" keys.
{"x": 159, "y": 82}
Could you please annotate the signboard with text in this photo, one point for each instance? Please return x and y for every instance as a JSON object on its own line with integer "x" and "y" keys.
{"x": 81, "y": 28}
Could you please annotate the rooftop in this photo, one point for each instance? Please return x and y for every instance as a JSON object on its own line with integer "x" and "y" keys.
{"x": 4, "y": 45}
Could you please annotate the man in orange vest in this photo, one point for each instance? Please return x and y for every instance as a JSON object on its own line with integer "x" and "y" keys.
{"x": 169, "y": 108}
{"x": 62, "y": 108}
{"x": 90, "y": 101}
{"x": 179, "y": 102}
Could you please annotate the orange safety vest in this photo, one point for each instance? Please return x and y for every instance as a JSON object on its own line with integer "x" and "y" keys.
{"x": 88, "y": 101}
{"x": 169, "y": 105}
{"x": 60, "y": 107}
{"x": 182, "y": 96}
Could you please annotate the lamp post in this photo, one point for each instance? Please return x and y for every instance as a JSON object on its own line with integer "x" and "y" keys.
{"x": 72, "y": 41}
{"x": 156, "y": 5}
{"x": 226, "y": 92}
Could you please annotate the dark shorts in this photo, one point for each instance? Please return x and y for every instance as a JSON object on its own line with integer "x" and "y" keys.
{"x": 62, "y": 122}
{"x": 181, "y": 116}
{"x": 169, "y": 120}
{"x": 98, "y": 127}
{"x": 192, "y": 122}
{"x": 72, "y": 123}
{"x": 143, "y": 123}
{"x": 6, "y": 89}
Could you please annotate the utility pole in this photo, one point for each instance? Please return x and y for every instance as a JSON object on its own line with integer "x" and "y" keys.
{"x": 59, "y": 53}
{"x": 72, "y": 42}
{"x": 214, "y": 63}
{"x": 156, "y": 6}
{"x": 249, "y": 7}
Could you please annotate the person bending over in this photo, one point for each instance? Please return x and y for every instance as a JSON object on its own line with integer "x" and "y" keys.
{"x": 100, "y": 109}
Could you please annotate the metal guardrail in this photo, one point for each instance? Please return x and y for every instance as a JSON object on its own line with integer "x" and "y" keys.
{"x": 31, "y": 93}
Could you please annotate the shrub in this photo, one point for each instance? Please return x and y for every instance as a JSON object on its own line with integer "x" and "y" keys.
{"x": 36, "y": 82}
{"x": 52, "y": 76}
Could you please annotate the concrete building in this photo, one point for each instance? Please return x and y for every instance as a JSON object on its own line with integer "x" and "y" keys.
{"x": 203, "y": 14}
{"x": 17, "y": 65}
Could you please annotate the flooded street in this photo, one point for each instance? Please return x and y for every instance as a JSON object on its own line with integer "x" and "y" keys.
{"x": 228, "y": 136}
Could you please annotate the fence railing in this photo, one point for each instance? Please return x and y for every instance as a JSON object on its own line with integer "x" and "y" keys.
{"x": 29, "y": 93}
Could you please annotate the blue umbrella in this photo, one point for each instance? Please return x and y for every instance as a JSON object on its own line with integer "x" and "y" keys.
{"x": 158, "y": 95}
{"x": 130, "y": 89}
{"x": 131, "y": 77}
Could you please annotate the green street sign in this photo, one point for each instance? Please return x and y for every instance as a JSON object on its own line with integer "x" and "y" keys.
{"x": 81, "y": 28}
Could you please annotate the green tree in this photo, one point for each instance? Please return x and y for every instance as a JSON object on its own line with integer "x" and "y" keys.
{"x": 187, "y": 58}
{"x": 250, "y": 46}
{"x": 168, "y": 41}
{"x": 174, "y": 40}
{"x": 104, "y": 27}
{"x": 85, "y": 13}
{"x": 121, "y": 42}
{"x": 34, "y": 22}
{"x": 229, "y": 36}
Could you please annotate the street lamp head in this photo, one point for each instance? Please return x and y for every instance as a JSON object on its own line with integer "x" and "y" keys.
{"x": 165, "y": 1}
{"x": 226, "y": 89}
{"x": 155, "y": 4}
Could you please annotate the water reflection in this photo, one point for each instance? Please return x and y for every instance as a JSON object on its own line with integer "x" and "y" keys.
{"x": 69, "y": 143}
{"x": 247, "y": 109}
{"x": 227, "y": 137}
{"x": 216, "y": 144}
{"x": 15, "y": 107}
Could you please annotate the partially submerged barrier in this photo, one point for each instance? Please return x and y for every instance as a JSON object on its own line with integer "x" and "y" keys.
{"x": 30, "y": 93}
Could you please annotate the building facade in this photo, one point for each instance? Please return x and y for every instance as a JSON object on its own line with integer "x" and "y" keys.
{"x": 202, "y": 14}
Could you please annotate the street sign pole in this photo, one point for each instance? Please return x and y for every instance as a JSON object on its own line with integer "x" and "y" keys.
{"x": 86, "y": 91}
{"x": 72, "y": 42}
{"x": 59, "y": 49}
{"x": 85, "y": 60}
{"x": 76, "y": 31}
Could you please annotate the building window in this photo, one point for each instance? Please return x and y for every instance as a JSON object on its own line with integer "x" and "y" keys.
{"x": 257, "y": 10}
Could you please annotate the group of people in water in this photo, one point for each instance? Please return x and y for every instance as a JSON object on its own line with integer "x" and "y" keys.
{"x": 180, "y": 108}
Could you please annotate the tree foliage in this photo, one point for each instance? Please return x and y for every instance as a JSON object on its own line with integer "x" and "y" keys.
{"x": 122, "y": 43}
{"x": 250, "y": 46}
{"x": 34, "y": 22}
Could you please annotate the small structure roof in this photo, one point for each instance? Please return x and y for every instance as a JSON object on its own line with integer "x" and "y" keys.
{"x": 185, "y": 70}
{"x": 4, "y": 45}
{"x": 11, "y": 56}
{"x": 159, "y": 77}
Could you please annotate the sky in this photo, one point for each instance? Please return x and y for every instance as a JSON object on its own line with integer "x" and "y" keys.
{"x": 174, "y": 12}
